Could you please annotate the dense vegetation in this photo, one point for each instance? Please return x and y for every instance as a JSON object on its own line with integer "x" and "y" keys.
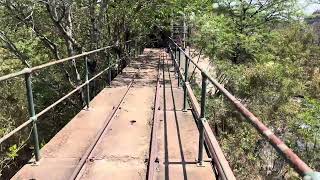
{"x": 267, "y": 56}
{"x": 263, "y": 51}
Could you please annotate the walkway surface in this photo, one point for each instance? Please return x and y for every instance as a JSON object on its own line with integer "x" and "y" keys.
{"x": 122, "y": 152}
{"x": 178, "y": 134}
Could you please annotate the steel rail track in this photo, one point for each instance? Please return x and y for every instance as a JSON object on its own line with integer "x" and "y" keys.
{"x": 153, "y": 143}
{"x": 77, "y": 173}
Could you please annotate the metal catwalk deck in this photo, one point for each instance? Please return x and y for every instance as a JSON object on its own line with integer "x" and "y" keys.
{"x": 122, "y": 151}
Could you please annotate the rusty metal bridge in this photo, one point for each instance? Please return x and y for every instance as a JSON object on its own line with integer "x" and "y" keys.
{"x": 147, "y": 124}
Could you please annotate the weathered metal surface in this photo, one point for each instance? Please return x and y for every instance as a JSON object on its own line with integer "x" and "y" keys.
{"x": 153, "y": 156}
{"x": 97, "y": 138}
{"x": 112, "y": 159}
{"x": 178, "y": 138}
{"x": 62, "y": 153}
{"x": 123, "y": 151}
{"x": 220, "y": 162}
{"x": 73, "y": 140}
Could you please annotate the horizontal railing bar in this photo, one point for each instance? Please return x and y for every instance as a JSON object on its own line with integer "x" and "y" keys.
{"x": 5, "y": 137}
{"x": 36, "y": 68}
{"x": 15, "y": 74}
{"x": 51, "y": 106}
{"x": 212, "y": 144}
{"x": 32, "y": 69}
{"x": 71, "y": 93}
{"x": 68, "y": 58}
{"x": 300, "y": 166}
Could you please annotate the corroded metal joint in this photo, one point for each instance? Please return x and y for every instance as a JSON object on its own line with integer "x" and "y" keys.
{"x": 27, "y": 70}
{"x": 34, "y": 118}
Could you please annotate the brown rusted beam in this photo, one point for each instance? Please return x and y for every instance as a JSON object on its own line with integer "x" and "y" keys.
{"x": 153, "y": 144}
{"x": 300, "y": 166}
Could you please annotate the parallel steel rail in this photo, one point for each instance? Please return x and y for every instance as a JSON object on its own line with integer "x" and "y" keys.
{"x": 221, "y": 163}
{"x": 27, "y": 72}
{"x": 79, "y": 170}
{"x": 154, "y": 132}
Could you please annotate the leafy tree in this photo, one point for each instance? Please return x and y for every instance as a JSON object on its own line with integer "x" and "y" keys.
{"x": 269, "y": 58}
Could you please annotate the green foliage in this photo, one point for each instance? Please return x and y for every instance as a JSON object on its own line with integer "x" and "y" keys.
{"x": 271, "y": 66}
{"x": 13, "y": 152}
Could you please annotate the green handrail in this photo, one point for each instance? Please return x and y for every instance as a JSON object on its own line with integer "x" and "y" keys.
{"x": 33, "y": 116}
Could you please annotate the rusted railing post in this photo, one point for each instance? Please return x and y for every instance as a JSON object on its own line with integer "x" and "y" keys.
{"x": 186, "y": 81}
{"x": 88, "y": 83}
{"x": 32, "y": 114}
{"x": 202, "y": 118}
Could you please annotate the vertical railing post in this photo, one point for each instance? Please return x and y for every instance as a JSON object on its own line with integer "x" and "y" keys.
{"x": 174, "y": 61}
{"x": 179, "y": 61}
{"x": 202, "y": 118}
{"x": 117, "y": 63}
{"x": 32, "y": 114}
{"x": 109, "y": 69}
{"x": 141, "y": 48}
{"x": 174, "y": 54}
{"x": 129, "y": 49}
{"x": 88, "y": 83}
{"x": 175, "y": 51}
{"x": 186, "y": 81}
{"x": 136, "y": 49}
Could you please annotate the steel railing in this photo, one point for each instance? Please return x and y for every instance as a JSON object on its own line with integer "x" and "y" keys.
{"x": 27, "y": 72}
{"x": 206, "y": 134}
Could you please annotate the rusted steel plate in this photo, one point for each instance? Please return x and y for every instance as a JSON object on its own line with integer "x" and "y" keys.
{"x": 153, "y": 145}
